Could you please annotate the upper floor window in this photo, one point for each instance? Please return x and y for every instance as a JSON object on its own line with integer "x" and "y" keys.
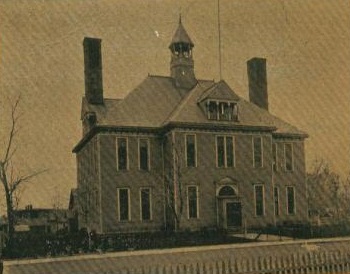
{"x": 259, "y": 200}
{"x": 192, "y": 202}
{"x": 274, "y": 157}
{"x": 288, "y": 157}
{"x": 144, "y": 158}
{"x": 290, "y": 200}
{"x": 191, "y": 151}
{"x": 122, "y": 153}
{"x": 225, "y": 151}
{"x": 257, "y": 152}
{"x": 123, "y": 204}
{"x": 221, "y": 110}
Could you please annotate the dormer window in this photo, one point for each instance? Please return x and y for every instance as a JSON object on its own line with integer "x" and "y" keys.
{"x": 222, "y": 110}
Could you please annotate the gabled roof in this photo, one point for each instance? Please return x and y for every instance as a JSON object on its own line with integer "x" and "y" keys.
{"x": 219, "y": 91}
{"x": 249, "y": 115}
{"x": 148, "y": 105}
{"x": 181, "y": 36}
{"x": 157, "y": 103}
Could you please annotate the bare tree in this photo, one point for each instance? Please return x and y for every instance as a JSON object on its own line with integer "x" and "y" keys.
{"x": 86, "y": 203}
{"x": 174, "y": 189}
{"x": 325, "y": 190}
{"x": 57, "y": 209}
{"x": 11, "y": 179}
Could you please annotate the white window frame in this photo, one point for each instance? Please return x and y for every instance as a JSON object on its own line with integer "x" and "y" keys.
{"x": 278, "y": 201}
{"x": 263, "y": 200}
{"x": 188, "y": 202}
{"x": 118, "y": 204}
{"x": 262, "y": 151}
{"x": 195, "y": 148}
{"x": 285, "y": 157}
{"x": 225, "y": 150}
{"x": 150, "y": 204}
{"x": 148, "y": 153}
{"x": 127, "y": 152}
{"x": 275, "y": 155}
{"x": 294, "y": 201}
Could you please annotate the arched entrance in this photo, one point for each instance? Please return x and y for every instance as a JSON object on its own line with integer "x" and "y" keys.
{"x": 229, "y": 207}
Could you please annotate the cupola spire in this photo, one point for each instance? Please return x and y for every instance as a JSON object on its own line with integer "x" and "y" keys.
{"x": 181, "y": 64}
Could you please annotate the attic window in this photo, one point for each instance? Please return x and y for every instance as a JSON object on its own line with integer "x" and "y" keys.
{"x": 222, "y": 110}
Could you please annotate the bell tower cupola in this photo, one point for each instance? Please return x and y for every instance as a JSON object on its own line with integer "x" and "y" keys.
{"x": 181, "y": 64}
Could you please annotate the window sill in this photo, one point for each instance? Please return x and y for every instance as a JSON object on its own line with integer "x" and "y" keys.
{"x": 122, "y": 170}
{"x": 144, "y": 170}
{"x": 147, "y": 221}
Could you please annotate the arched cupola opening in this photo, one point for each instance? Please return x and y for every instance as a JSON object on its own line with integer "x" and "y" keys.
{"x": 181, "y": 64}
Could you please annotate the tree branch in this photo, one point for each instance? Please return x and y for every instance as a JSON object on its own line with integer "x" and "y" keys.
{"x": 23, "y": 179}
{"x": 13, "y": 131}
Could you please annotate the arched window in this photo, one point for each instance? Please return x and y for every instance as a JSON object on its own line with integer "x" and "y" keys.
{"x": 227, "y": 191}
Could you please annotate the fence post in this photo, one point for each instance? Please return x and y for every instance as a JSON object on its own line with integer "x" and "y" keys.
{"x": 250, "y": 264}
{"x": 238, "y": 265}
{"x": 279, "y": 263}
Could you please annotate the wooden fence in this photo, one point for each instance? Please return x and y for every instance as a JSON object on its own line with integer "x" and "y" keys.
{"x": 297, "y": 257}
{"x": 314, "y": 262}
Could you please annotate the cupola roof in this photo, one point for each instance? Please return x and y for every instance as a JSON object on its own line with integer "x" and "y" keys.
{"x": 181, "y": 36}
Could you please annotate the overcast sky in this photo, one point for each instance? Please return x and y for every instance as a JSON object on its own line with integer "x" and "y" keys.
{"x": 306, "y": 44}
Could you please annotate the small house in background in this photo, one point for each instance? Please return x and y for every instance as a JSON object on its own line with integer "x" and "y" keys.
{"x": 184, "y": 153}
{"x": 41, "y": 220}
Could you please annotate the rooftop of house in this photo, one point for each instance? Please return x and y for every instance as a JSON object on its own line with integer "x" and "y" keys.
{"x": 157, "y": 103}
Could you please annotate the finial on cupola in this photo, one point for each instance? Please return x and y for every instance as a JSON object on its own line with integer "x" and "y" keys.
{"x": 181, "y": 64}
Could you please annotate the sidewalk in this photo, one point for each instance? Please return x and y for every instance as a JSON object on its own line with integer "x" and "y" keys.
{"x": 262, "y": 237}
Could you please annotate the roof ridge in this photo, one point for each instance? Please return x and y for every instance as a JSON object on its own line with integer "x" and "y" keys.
{"x": 204, "y": 95}
{"x": 180, "y": 104}
{"x": 266, "y": 112}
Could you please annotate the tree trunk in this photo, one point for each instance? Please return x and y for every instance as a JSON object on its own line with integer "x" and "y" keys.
{"x": 11, "y": 225}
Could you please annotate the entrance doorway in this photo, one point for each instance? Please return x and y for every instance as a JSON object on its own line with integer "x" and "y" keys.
{"x": 229, "y": 207}
{"x": 233, "y": 214}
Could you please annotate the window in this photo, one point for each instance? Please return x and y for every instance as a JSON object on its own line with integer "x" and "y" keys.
{"x": 259, "y": 200}
{"x": 224, "y": 111}
{"x": 290, "y": 200}
{"x": 144, "y": 154}
{"x": 123, "y": 204}
{"x": 257, "y": 152}
{"x": 145, "y": 195}
{"x": 122, "y": 153}
{"x": 212, "y": 111}
{"x": 191, "y": 151}
{"x": 276, "y": 200}
{"x": 288, "y": 157}
{"x": 225, "y": 151}
{"x": 227, "y": 191}
{"x": 274, "y": 157}
{"x": 192, "y": 201}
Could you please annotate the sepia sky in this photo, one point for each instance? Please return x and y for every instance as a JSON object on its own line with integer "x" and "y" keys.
{"x": 306, "y": 44}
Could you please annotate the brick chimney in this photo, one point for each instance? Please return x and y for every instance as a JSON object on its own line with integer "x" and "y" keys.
{"x": 258, "y": 82}
{"x": 93, "y": 70}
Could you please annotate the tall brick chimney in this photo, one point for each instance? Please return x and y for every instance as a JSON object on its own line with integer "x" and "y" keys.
{"x": 258, "y": 82}
{"x": 93, "y": 70}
